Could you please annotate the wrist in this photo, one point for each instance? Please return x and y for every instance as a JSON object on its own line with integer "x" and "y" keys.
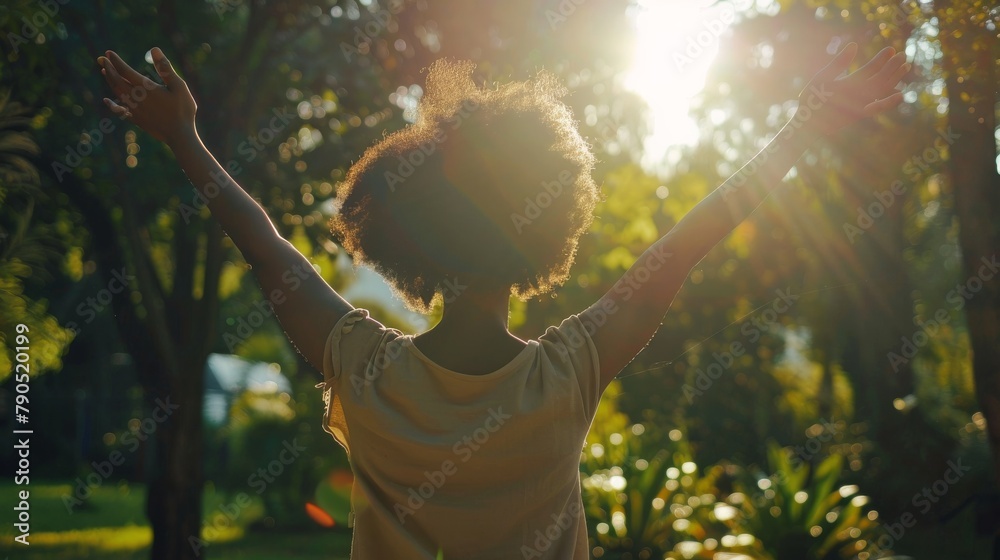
{"x": 183, "y": 136}
{"x": 805, "y": 127}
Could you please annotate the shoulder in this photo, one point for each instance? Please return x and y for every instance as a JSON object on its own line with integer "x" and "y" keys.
{"x": 354, "y": 342}
{"x": 569, "y": 338}
{"x": 570, "y": 345}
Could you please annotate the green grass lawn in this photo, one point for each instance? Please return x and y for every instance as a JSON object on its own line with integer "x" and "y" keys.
{"x": 113, "y": 526}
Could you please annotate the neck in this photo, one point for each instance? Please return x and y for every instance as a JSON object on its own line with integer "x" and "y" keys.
{"x": 476, "y": 311}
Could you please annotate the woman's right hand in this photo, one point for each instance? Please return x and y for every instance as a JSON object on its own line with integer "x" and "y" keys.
{"x": 166, "y": 111}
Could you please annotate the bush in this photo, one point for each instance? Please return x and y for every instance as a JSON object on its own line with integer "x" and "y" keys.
{"x": 646, "y": 497}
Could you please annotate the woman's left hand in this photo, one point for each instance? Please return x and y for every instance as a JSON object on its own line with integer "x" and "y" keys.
{"x": 831, "y": 102}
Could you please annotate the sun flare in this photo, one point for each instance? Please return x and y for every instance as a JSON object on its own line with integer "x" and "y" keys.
{"x": 676, "y": 42}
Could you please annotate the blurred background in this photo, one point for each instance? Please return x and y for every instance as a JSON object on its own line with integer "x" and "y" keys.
{"x": 820, "y": 388}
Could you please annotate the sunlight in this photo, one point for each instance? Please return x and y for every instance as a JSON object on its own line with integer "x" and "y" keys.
{"x": 676, "y": 42}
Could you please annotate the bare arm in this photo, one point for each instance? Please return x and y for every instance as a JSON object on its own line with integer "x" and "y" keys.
{"x": 628, "y": 315}
{"x": 306, "y": 306}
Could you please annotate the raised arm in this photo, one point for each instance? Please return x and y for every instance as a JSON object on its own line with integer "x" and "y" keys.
{"x": 304, "y": 303}
{"x": 627, "y": 316}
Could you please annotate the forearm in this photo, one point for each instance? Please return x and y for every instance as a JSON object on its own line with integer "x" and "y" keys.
{"x": 633, "y": 308}
{"x": 306, "y": 306}
{"x": 712, "y": 219}
{"x": 631, "y": 311}
{"x": 246, "y": 223}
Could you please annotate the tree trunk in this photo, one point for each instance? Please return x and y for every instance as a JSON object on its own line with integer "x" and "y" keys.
{"x": 169, "y": 377}
{"x": 969, "y": 52}
{"x": 173, "y": 502}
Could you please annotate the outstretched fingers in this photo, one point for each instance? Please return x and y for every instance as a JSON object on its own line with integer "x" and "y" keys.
{"x": 118, "y": 84}
{"x": 117, "y": 109}
{"x": 896, "y": 76}
{"x": 839, "y": 64}
{"x": 882, "y": 86}
{"x": 875, "y": 64}
{"x": 891, "y": 68}
{"x": 164, "y": 68}
{"x": 881, "y": 105}
{"x": 126, "y": 71}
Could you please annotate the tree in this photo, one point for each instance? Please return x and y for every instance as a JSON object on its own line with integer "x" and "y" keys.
{"x": 949, "y": 169}
{"x": 140, "y": 213}
{"x": 955, "y": 42}
{"x": 970, "y": 55}
{"x": 31, "y": 241}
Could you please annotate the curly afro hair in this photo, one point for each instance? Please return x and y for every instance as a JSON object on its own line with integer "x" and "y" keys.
{"x": 490, "y": 188}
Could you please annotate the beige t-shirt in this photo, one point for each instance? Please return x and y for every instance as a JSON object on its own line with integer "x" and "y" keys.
{"x": 473, "y": 466}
